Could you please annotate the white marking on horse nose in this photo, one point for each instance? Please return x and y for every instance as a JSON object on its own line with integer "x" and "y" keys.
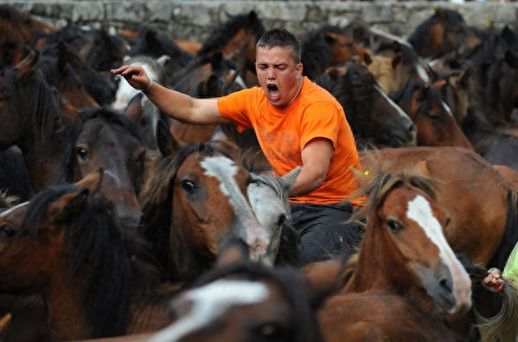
{"x": 398, "y": 109}
{"x": 209, "y": 302}
{"x": 420, "y": 211}
{"x": 224, "y": 170}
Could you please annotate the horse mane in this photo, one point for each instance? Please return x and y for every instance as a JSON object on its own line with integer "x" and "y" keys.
{"x": 157, "y": 202}
{"x": 355, "y": 92}
{"x": 220, "y": 36}
{"x": 382, "y": 183}
{"x": 114, "y": 260}
{"x": 39, "y": 106}
{"x": 305, "y": 327}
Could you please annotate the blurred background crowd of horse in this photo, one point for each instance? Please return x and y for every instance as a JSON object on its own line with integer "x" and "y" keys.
{"x": 441, "y": 104}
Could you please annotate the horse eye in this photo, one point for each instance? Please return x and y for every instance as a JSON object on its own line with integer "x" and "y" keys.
{"x": 270, "y": 331}
{"x": 281, "y": 220}
{"x": 81, "y": 152}
{"x": 447, "y": 222}
{"x": 7, "y": 232}
{"x": 188, "y": 185}
{"x": 394, "y": 226}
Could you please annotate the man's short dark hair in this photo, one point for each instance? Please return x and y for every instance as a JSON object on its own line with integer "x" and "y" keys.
{"x": 283, "y": 38}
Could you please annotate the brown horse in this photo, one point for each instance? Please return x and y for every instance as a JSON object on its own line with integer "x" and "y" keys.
{"x": 327, "y": 46}
{"x": 435, "y": 123}
{"x": 58, "y": 145}
{"x": 444, "y": 32}
{"x": 93, "y": 274}
{"x": 246, "y": 301}
{"x": 406, "y": 277}
{"x": 195, "y": 202}
{"x": 482, "y": 204}
{"x": 235, "y": 40}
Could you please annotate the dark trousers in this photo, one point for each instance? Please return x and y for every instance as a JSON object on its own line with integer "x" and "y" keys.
{"x": 323, "y": 231}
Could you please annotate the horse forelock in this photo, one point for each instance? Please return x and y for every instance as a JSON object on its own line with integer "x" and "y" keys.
{"x": 111, "y": 118}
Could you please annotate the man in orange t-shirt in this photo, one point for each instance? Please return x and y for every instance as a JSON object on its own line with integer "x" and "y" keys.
{"x": 297, "y": 123}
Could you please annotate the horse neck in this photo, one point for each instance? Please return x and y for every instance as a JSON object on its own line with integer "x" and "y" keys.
{"x": 381, "y": 268}
{"x": 66, "y": 311}
{"x": 187, "y": 261}
{"x": 151, "y": 312}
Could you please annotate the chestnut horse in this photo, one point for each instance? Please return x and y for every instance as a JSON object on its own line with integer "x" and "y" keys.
{"x": 406, "y": 277}
{"x": 481, "y": 203}
{"x": 195, "y": 202}
{"x": 94, "y": 275}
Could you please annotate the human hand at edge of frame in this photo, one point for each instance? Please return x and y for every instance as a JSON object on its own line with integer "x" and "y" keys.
{"x": 135, "y": 75}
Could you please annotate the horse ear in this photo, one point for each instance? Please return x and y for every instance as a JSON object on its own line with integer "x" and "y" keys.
{"x": 396, "y": 60}
{"x": 367, "y": 59}
{"x": 323, "y": 278}
{"x": 330, "y": 37}
{"x": 27, "y": 63}
{"x": 511, "y": 58}
{"x": 68, "y": 205}
{"x": 92, "y": 181}
{"x": 62, "y": 56}
{"x": 439, "y": 84}
{"x": 289, "y": 179}
{"x": 440, "y": 12}
{"x": 162, "y": 60}
{"x": 167, "y": 144}
{"x": 422, "y": 168}
{"x": 134, "y": 108}
{"x": 362, "y": 177}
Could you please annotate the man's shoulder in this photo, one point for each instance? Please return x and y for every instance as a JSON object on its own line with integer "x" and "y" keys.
{"x": 315, "y": 95}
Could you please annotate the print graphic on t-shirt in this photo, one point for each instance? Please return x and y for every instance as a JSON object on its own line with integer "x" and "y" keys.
{"x": 283, "y": 147}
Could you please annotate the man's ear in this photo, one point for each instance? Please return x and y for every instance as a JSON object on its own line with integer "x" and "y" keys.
{"x": 299, "y": 68}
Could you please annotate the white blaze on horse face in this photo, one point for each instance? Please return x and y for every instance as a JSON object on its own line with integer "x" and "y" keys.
{"x": 398, "y": 109}
{"x": 210, "y": 302}
{"x": 225, "y": 171}
{"x": 420, "y": 211}
{"x": 12, "y": 209}
{"x": 446, "y": 108}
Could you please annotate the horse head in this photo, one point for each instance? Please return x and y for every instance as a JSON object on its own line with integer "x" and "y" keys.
{"x": 405, "y": 229}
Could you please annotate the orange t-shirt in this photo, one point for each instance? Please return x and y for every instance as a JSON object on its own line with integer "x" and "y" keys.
{"x": 284, "y": 132}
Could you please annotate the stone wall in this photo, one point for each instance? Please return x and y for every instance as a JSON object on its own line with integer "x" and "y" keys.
{"x": 193, "y": 19}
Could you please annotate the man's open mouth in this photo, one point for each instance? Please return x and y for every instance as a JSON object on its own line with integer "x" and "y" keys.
{"x": 273, "y": 91}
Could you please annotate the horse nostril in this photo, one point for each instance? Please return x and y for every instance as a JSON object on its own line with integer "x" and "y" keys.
{"x": 445, "y": 284}
{"x": 412, "y": 129}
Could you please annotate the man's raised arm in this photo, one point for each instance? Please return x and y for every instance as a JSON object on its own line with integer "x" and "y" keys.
{"x": 175, "y": 104}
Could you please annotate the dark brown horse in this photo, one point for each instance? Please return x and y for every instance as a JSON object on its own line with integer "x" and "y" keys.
{"x": 59, "y": 146}
{"x": 444, "y": 32}
{"x": 235, "y": 40}
{"x": 94, "y": 275}
{"x": 374, "y": 118}
{"x": 435, "y": 123}
{"x": 327, "y": 46}
{"x": 406, "y": 277}
{"x": 248, "y": 302}
{"x": 481, "y": 203}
